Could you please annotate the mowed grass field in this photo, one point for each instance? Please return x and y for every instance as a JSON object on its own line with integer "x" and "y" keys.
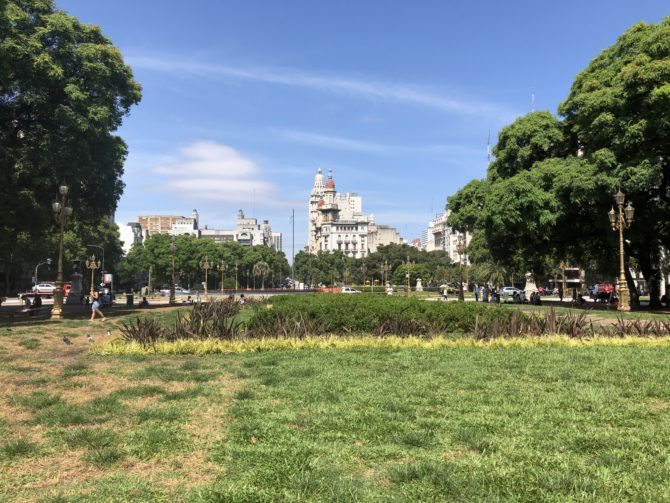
{"x": 464, "y": 424}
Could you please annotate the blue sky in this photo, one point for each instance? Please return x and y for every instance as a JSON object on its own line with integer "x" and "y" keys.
{"x": 244, "y": 100}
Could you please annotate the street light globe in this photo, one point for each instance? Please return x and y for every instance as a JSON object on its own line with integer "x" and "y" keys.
{"x": 63, "y": 189}
{"x": 620, "y": 197}
{"x": 629, "y": 211}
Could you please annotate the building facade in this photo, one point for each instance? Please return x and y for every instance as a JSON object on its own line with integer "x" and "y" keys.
{"x": 247, "y": 231}
{"x": 440, "y": 236}
{"x": 336, "y": 222}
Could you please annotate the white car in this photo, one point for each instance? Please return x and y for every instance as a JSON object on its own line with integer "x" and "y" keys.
{"x": 177, "y": 291}
{"x": 47, "y": 288}
{"x": 348, "y": 289}
{"x": 509, "y": 290}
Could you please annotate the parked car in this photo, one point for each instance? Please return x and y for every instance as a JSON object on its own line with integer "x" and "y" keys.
{"x": 348, "y": 289}
{"x": 44, "y": 288}
{"x": 509, "y": 290}
{"x": 177, "y": 291}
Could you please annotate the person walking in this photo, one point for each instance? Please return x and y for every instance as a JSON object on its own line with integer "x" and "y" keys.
{"x": 476, "y": 293}
{"x": 95, "y": 306}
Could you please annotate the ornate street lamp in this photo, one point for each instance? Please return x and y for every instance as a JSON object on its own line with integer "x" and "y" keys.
{"x": 206, "y": 265}
{"x": 236, "y": 266}
{"x": 92, "y": 264}
{"x": 385, "y": 271}
{"x": 460, "y": 249}
{"x": 364, "y": 270}
{"x": 222, "y": 267}
{"x": 619, "y": 221}
{"x": 408, "y": 268}
{"x": 61, "y": 212}
{"x": 173, "y": 250}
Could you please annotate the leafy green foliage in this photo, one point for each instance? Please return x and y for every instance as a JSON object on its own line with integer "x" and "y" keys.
{"x": 378, "y": 314}
{"x": 547, "y": 193}
{"x": 238, "y": 260}
{"x": 65, "y": 90}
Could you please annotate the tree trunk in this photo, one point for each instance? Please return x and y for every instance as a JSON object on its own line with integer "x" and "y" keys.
{"x": 649, "y": 266}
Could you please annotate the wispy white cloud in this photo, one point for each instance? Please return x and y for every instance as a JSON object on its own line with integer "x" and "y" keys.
{"x": 340, "y": 143}
{"x": 367, "y": 88}
{"x": 205, "y": 170}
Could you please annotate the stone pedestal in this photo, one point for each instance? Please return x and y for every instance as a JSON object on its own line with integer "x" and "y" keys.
{"x": 74, "y": 297}
{"x": 419, "y": 286}
{"x": 530, "y": 285}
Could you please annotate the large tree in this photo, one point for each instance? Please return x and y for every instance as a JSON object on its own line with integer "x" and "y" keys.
{"x": 548, "y": 191}
{"x": 619, "y": 107}
{"x": 64, "y": 90}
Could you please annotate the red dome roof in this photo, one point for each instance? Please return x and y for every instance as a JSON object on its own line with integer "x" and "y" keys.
{"x": 330, "y": 184}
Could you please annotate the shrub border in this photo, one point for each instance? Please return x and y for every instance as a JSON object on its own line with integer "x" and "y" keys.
{"x": 118, "y": 347}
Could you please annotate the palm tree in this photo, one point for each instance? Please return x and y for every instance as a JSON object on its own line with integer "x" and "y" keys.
{"x": 261, "y": 269}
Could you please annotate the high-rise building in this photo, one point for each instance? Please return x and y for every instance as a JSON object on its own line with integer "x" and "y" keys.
{"x": 336, "y": 222}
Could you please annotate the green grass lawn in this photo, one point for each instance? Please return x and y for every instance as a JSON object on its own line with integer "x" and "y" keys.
{"x": 467, "y": 424}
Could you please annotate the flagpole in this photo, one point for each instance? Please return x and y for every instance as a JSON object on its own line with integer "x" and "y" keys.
{"x": 293, "y": 249}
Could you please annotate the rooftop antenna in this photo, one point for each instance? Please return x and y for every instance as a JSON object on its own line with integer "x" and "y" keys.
{"x": 532, "y": 100}
{"x": 488, "y": 147}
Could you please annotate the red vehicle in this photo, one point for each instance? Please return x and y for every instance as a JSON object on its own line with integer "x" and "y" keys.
{"x": 603, "y": 292}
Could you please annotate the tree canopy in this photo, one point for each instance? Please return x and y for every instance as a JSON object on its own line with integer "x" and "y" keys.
{"x": 250, "y": 266}
{"x": 547, "y": 193}
{"x": 64, "y": 90}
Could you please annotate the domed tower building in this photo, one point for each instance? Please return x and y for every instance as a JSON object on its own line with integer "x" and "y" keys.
{"x": 336, "y": 222}
{"x": 314, "y": 197}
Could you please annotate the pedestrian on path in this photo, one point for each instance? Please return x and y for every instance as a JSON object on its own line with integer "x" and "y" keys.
{"x": 95, "y": 306}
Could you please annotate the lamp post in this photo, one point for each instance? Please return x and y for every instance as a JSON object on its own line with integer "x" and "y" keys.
{"x": 206, "y": 265}
{"x": 222, "y": 268}
{"x": 236, "y": 266}
{"x": 460, "y": 248}
{"x": 385, "y": 271}
{"x": 173, "y": 250}
{"x": 47, "y": 261}
{"x": 102, "y": 250}
{"x": 619, "y": 221}
{"x": 408, "y": 267}
{"x": 61, "y": 212}
{"x": 364, "y": 270}
{"x": 92, "y": 264}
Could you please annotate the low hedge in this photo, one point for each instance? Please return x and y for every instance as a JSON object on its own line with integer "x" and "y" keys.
{"x": 300, "y": 315}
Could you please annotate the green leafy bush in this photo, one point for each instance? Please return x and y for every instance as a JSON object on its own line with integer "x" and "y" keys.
{"x": 300, "y": 315}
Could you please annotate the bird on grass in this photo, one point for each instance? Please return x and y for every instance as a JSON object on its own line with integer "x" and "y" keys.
{"x": 66, "y": 340}
{"x": 109, "y": 333}
{"x": 90, "y": 339}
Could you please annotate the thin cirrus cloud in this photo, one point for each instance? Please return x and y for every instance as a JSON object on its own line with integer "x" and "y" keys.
{"x": 371, "y": 89}
{"x": 349, "y": 144}
{"x": 211, "y": 171}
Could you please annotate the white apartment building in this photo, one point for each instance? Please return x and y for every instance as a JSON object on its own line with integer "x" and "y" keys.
{"x": 336, "y": 222}
{"x": 439, "y": 236}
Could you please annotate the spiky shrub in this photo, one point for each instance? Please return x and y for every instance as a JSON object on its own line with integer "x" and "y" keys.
{"x": 212, "y": 320}
{"x": 146, "y": 331}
